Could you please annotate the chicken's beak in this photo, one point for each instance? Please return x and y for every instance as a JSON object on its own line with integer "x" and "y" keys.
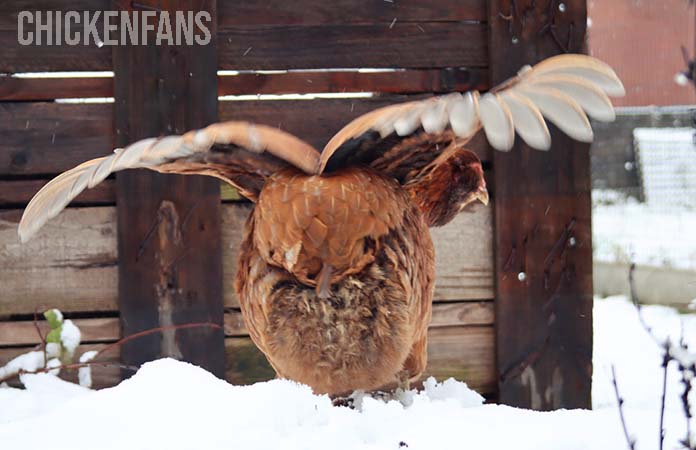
{"x": 481, "y": 195}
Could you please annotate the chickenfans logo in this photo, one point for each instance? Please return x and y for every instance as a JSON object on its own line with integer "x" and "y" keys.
{"x": 113, "y": 28}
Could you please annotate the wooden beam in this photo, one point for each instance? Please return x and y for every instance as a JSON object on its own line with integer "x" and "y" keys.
{"x": 412, "y": 81}
{"x": 47, "y": 138}
{"x": 401, "y": 45}
{"x": 71, "y": 264}
{"x": 543, "y": 256}
{"x": 16, "y": 58}
{"x": 318, "y": 12}
{"x": 17, "y": 193}
{"x": 170, "y": 269}
{"x": 47, "y": 89}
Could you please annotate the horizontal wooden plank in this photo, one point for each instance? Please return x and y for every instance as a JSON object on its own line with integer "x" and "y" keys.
{"x": 398, "y": 82}
{"x": 16, "y": 333}
{"x": 391, "y": 45}
{"x": 46, "y": 89}
{"x": 47, "y": 138}
{"x": 465, "y": 353}
{"x": 71, "y": 263}
{"x": 9, "y": 9}
{"x": 24, "y": 332}
{"x": 17, "y": 193}
{"x": 279, "y": 12}
{"x": 412, "y": 81}
{"x": 315, "y": 121}
{"x": 16, "y": 58}
{"x": 316, "y": 12}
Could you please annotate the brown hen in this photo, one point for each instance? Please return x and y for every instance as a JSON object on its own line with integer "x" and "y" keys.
{"x": 336, "y": 268}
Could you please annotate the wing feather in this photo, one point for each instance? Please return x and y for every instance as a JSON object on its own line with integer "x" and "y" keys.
{"x": 561, "y": 89}
{"x": 239, "y": 153}
{"x": 497, "y": 122}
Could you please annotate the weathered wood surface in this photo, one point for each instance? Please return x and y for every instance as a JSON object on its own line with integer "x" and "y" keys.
{"x": 317, "y": 12}
{"x": 47, "y": 89}
{"x": 9, "y": 9}
{"x": 315, "y": 121}
{"x": 169, "y": 255}
{"x": 463, "y": 352}
{"x": 23, "y": 332}
{"x": 71, "y": 263}
{"x": 397, "y": 82}
{"x": 405, "y": 45}
{"x": 279, "y": 12}
{"x": 16, "y": 58}
{"x": 17, "y": 193}
{"x": 48, "y": 138}
{"x": 410, "y": 81}
{"x": 543, "y": 236}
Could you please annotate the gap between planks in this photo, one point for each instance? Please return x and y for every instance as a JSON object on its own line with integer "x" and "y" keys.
{"x": 412, "y": 81}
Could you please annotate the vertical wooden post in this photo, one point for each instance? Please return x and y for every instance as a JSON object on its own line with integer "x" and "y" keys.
{"x": 543, "y": 246}
{"x": 170, "y": 263}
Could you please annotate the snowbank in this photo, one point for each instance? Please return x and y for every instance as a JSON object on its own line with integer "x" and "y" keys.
{"x": 173, "y": 405}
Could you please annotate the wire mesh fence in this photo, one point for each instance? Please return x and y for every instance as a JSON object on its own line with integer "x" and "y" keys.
{"x": 648, "y": 217}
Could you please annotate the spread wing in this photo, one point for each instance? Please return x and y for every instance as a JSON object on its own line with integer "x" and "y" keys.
{"x": 423, "y": 144}
{"x": 240, "y": 153}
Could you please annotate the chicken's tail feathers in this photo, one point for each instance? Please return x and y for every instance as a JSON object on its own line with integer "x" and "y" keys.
{"x": 231, "y": 151}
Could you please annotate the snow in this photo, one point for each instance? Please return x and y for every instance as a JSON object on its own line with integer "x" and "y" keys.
{"x": 84, "y": 374}
{"x": 620, "y": 339}
{"x": 659, "y": 231}
{"x": 175, "y": 405}
{"x": 70, "y": 337}
{"x": 625, "y": 230}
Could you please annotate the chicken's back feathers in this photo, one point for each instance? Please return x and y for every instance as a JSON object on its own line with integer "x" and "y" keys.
{"x": 370, "y": 327}
{"x": 305, "y": 222}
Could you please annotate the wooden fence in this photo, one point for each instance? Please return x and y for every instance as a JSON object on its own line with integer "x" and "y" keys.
{"x": 512, "y": 312}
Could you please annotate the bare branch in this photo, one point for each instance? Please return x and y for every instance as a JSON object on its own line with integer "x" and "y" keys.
{"x": 630, "y": 441}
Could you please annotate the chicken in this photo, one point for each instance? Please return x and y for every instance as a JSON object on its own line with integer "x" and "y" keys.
{"x": 336, "y": 268}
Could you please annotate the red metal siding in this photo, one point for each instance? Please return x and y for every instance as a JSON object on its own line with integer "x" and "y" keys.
{"x": 641, "y": 39}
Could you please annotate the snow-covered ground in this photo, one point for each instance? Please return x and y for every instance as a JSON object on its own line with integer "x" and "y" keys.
{"x": 172, "y": 405}
{"x": 654, "y": 234}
